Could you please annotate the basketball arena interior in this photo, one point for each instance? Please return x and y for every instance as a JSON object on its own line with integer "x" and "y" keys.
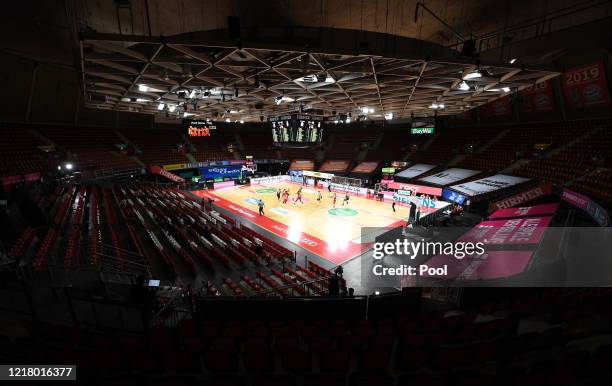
{"x": 306, "y": 192}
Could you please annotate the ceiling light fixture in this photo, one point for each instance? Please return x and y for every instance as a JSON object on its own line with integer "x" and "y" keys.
{"x": 143, "y": 88}
{"x": 160, "y": 106}
{"x": 473, "y": 75}
{"x": 464, "y": 86}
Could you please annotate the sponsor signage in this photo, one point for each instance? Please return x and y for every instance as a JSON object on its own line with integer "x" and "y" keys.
{"x": 422, "y": 130}
{"x": 523, "y": 197}
{"x": 415, "y": 170}
{"x": 415, "y": 189}
{"x": 388, "y": 170}
{"x": 524, "y": 211}
{"x": 310, "y": 173}
{"x": 586, "y": 86}
{"x": 599, "y": 214}
{"x": 453, "y": 196}
{"x": 488, "y": 184}
{"x": 365, "y": 167}
{"x": 489, "y": 265}
{"x": 165, "y": 173}
{"x": 228, "y": 171}
{"x": 449, "y": 176}
{"x": 527, "y": 230}
{"x": 334, "y": 166}
{"x": 348, "y": 188}
{"x": 175, "y": 166}
{"x": 302, "y": 164}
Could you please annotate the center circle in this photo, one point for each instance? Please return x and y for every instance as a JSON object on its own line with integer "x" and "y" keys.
{"x": 266, "y": 190}
{"x": 342, "y": 212}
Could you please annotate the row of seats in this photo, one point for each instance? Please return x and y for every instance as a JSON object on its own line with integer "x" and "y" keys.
{"x": 530, "y": 337}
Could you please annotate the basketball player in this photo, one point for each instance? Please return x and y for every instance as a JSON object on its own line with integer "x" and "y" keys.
{"x": 346, "y": 200}
{"x": 278, "y": 194}
{"x": 319, "y": 197}
{"x": 299, "y": 196}
{"x": 285, "y": 196}
{"x": 334, "y": 198}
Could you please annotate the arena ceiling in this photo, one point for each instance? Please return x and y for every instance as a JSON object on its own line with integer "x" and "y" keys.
{"x": 220, "y": 80}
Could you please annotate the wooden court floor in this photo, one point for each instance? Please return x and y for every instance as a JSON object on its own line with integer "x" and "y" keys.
{"x": 332, "y": 233}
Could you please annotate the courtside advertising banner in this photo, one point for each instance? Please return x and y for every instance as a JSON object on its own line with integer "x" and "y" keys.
{"x": 523, "y": 197}
{"x": 449, "y": 176}
{"x": 599, "y": 214}
{"x": 509, "y": 232}
{"x": 586, "y": 86}
{"x": 415, "y": 170}
{"x": 488, "y": 184}
{"x": 334, "y": 166}
{"x": 365, "y": 167}
{"x": 415, "y": 189}
{"x": 537, "y": 210}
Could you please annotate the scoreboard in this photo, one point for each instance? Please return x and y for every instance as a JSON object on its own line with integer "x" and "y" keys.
{"x": 297, "y": 129}
{"x": 198, "y": 128}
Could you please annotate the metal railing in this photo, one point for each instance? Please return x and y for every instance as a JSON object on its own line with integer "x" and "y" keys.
{"x": 291, "y": 287}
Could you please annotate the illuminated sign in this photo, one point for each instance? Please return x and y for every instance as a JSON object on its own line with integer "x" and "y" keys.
{"x": 199, "y": 129}
{"x": 422, "y": 130}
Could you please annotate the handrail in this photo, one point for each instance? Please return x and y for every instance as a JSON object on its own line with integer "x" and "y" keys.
{"x": 170, "y": 303}
{"x": 114, "y": 248}
{"x": 290, "y": 286}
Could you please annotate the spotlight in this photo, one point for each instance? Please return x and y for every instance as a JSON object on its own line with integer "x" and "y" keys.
{"x": 227, "y": 120}
{"x": 506, "y": 89}
{"x": 143, "y": 88}
{"x": 242, "y": 121}
{"x": 376, "y": 293}
{"x": 389, "y": 116}
{"x": 512, "y": 60}
{"x": 59, "y": 167}
{"x": 160, "y": 106}
{"x": 68, "y": 166}
{"x": 472, "y": 75}
{"x": 464, "y": 86}
{"x": 171, "y": 108}
{"x": 192, "y": 94}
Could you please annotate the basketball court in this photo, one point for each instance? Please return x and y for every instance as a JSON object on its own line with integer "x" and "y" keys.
{"x": 331, "y": 233}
